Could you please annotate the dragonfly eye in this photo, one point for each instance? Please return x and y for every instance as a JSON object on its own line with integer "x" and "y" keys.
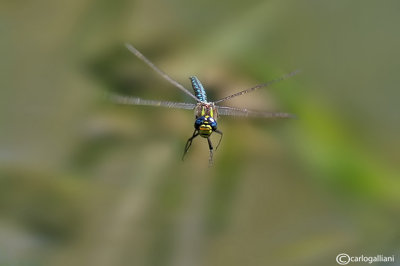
{"x": 205, "y": 125}
{"x": 211, "y": 121}
{"x": 199, "y": 121}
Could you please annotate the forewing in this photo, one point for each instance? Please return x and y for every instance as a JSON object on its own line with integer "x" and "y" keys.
{"x": 159, "y": 71}
{"x": 257, "y": 87}
{"x": 138, "y": 101}
{"x": 232, "y": 111}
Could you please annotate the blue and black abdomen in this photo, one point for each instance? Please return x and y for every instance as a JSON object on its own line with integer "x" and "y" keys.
{"x": 198, "y": 89}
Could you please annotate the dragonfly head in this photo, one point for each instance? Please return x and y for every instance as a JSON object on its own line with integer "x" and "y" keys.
{"x": 205, "y": 125}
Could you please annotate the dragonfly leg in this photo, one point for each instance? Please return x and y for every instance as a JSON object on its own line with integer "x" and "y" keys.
{"x": 189, "y": 143}
{"x": 219, "y": 142}
{"x": 210, "y": 146}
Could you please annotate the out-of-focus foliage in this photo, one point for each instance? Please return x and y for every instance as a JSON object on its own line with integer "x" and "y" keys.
{"x": 86, "y": 182}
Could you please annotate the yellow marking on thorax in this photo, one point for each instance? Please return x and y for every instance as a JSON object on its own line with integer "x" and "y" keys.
{"x": 211, "y": 112}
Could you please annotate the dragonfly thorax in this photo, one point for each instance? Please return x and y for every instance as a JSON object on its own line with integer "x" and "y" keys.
{"x": 204, "y": 109}
{"x": 205, "y": 125}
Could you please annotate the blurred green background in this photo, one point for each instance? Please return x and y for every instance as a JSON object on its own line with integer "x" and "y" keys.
{"x": 84, "y": 181}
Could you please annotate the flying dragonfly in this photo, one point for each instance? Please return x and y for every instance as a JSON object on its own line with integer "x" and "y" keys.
{"x": 206, "y": 112}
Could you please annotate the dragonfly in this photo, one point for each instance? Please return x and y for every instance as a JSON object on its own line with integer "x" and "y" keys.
{"x": 206, "y": 112}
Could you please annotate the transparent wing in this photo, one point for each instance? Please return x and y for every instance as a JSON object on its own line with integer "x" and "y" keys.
{"x": 160, "y": 72}
{"x": 137, "y": 101}
{"x": 258, "y": 86}
{"x": 232, "y": 111}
